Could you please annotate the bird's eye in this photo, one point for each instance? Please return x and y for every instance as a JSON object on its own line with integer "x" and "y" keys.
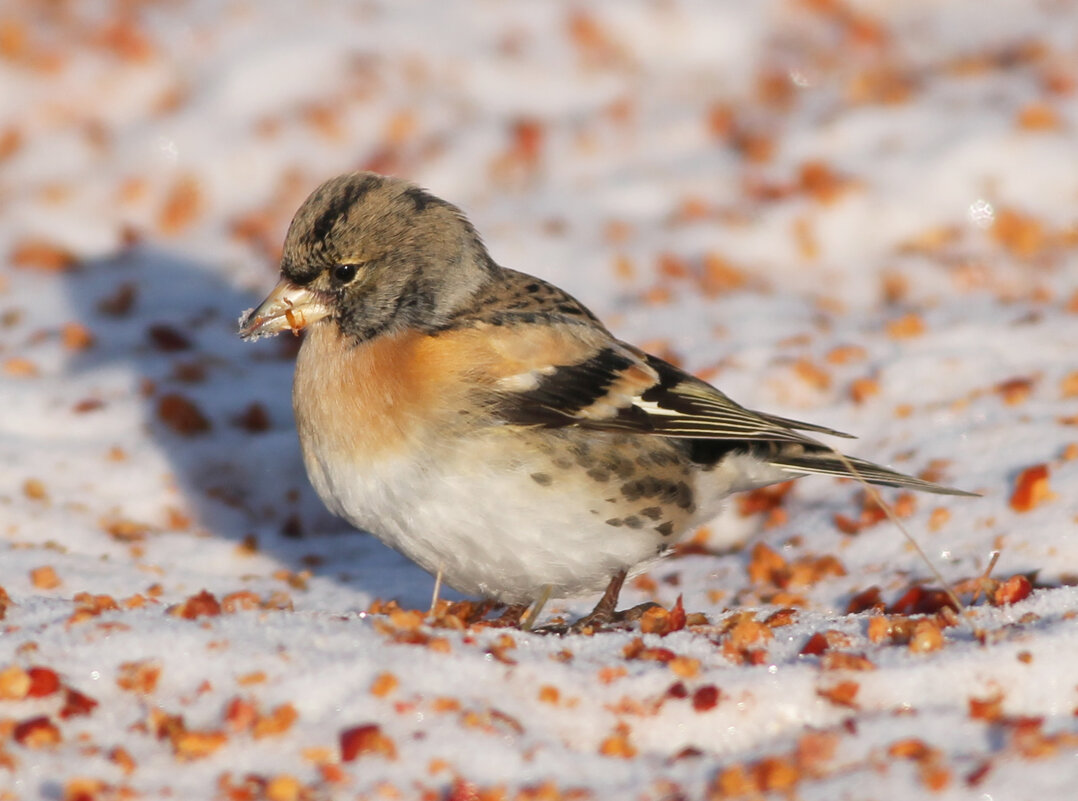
{"x": 343, "y": 273}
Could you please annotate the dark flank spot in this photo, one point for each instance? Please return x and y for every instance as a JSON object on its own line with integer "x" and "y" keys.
{"x": 566, "y": 308}
{"x": 623, "y": 468}
{"x": 531, "y": 288}
{"x": 666, "y": 529}
{"x": 665, "y": 491}
{"x": 663, "y": 459}
{"x": 598, "y": 474}
{"x": 652, "y": 512}
{"x": 684, "y": 496}
{"x": 657, "y": 458}
{"x": 583, "y": 456}
{"x": 542, "y": 479}
{"x": 633, "y": 522}
{"x": 647, "y": 487}
{"x": 616, "y": 522}
{"x": 544, "y": 446}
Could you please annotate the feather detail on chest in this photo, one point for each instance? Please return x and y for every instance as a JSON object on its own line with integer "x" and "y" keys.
{"x": 380, "y": 397}
{"x": 356, "y": 403}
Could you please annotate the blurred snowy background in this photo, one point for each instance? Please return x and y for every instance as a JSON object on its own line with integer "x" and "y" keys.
{"x": 861, "y": 214}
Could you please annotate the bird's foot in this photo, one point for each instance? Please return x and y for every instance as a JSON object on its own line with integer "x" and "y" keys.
{"x": 634, "y": 613}
{"x": 593, "y": 623}
{"x": 509, "y": 618}
{"x": 604, "y": 615}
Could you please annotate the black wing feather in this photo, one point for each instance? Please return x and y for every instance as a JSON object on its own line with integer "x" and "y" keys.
{"x": 662, "y": 400}
{"x": 568, "y": 390}
{"x": 675, "y": 404}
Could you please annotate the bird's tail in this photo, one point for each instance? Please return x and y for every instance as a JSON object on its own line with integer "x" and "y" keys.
{"x": 804, "y": 461}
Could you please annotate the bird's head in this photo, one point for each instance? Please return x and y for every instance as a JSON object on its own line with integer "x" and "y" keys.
{"x": 372, "y": 255}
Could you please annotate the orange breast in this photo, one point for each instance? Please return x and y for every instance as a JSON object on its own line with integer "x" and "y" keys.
{"x": 394, "y": 392}
{"x": 367, "y": 401}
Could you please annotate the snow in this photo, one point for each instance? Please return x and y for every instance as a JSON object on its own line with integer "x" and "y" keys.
{"x": 861, "y": 215}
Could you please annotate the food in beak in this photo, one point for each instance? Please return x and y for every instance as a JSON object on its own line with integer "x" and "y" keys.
{"x": 288, "y": 307}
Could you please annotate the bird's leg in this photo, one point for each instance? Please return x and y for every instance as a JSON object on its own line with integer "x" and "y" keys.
{"x": 434, "y": 595}
{"x": 604, "y": 611}
{"x": 537, "y": 607}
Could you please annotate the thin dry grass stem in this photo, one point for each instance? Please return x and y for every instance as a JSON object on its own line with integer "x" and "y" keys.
{"x": 993, "y": 558}
{"x": 874, "y": 494}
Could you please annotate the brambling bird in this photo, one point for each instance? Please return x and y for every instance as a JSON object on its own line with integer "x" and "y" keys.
{"x": 486, "y": 424}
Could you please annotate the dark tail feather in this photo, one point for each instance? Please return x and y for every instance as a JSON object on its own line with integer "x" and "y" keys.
{"x": 827, "y": 464}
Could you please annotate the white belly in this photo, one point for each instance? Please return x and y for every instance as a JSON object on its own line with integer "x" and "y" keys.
{"x": 501, "y": 511}
{"x": 485, "y": 523}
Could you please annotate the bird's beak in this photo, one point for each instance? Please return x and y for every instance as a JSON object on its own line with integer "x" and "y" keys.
{"x": 288, "y": 307}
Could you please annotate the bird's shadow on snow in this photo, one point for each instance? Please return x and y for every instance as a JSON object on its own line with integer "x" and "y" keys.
{"x": 230, "y": 437}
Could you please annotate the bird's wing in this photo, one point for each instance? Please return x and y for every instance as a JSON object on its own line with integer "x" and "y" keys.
{"x": 613, "y": 386}
{"x": 618, "y": 387}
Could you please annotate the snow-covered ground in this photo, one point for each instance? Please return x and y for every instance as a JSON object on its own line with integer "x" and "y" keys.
{"x": 861, "y": 214}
